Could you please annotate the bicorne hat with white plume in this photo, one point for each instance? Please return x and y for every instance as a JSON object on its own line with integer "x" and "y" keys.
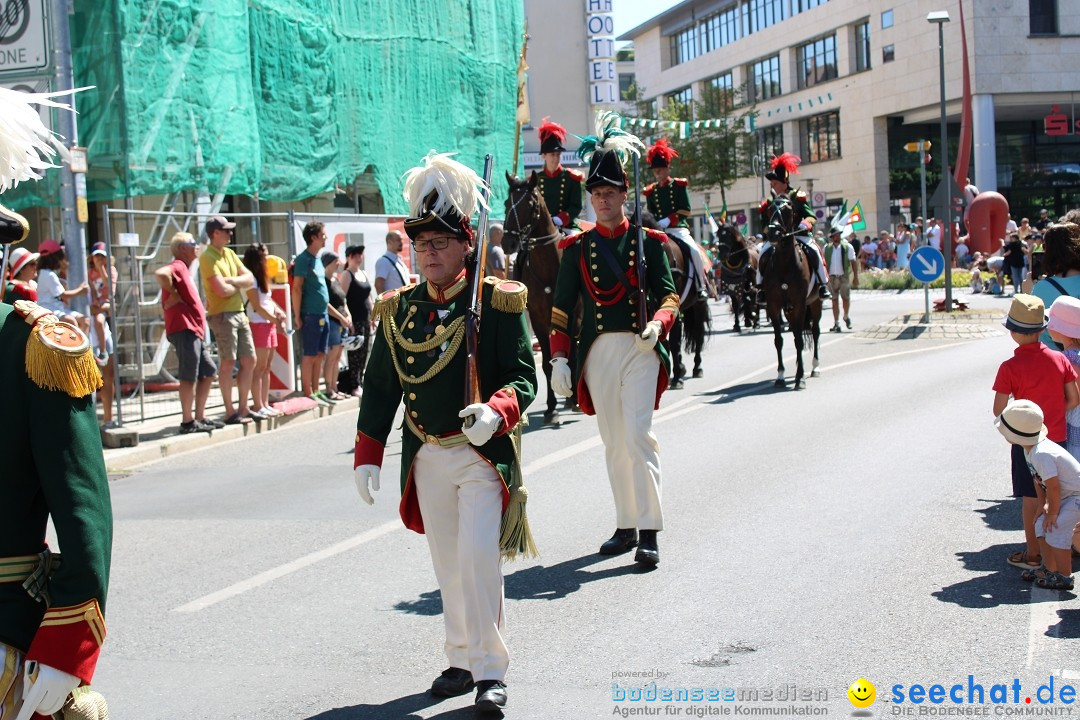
{"x": 442, "y": 194}
{"x": 607, "y": 151}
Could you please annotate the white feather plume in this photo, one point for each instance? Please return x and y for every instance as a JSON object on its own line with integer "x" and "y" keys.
{"x": 457, "y": 185}
{"x": 24, "y": 139}
{"x": 612, "y": 137}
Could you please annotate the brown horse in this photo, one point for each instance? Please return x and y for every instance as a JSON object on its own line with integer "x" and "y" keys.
{"x": 529, "y": 231}
{"x": 786, "y": 282}
{"x": 737, "y": 260}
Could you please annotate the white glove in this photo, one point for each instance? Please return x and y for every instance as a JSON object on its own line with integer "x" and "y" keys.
{"x": 46, "y": 694}
{"x": 562, "y": 382}
{"x": 485, "y": 422}
{"x": 664, "y": 223}
{"x": 365, "y": 474}
{"x": 646, "y": 341}
{"x": 557, "y": 220}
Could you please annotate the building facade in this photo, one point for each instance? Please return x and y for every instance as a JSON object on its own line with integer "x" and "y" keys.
{"x": 845, "y": 84}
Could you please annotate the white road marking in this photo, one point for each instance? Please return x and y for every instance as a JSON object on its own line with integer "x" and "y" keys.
{"x": 670, "y": 412}
{"x": 290, "y": 567}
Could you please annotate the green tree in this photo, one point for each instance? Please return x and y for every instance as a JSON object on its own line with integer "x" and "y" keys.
{"x": 714, "y": 154}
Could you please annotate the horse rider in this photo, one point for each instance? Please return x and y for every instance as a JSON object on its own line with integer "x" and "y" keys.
{"x": 621, "y": 368}
{"x": 460, "y": 463}
{"x": 51, "y": 612}
{"x": 668, "y": 199}
{"x": 560, "y": 187}
{"x": 783, "y": 167}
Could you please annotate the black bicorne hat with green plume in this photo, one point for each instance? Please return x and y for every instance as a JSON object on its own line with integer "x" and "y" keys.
{"x": 607, "y": 151}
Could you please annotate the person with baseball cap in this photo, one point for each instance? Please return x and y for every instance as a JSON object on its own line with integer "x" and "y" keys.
{"x": 225, "y": 280}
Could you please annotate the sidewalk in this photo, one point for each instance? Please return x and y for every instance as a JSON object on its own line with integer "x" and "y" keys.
{"x": 160, "y": 437}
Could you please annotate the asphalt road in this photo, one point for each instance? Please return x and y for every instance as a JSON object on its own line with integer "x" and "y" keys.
{"x": 856, "y": 529}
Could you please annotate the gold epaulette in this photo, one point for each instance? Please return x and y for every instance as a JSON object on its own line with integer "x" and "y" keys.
{"x": 58, "y": 355}
{"x": 508, "y": 296}
{"x": 387, "y": 304}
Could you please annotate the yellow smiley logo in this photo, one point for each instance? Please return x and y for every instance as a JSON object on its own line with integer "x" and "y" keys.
{"x": 862, "y": 693}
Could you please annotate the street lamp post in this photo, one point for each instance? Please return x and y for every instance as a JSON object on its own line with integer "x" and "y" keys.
{"x": 940, "y": 17}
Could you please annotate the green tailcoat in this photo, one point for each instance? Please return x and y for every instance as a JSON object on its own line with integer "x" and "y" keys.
{"x": 608, "y": 307}
{"x": 53, "y": 466}
{"x": 562, "y": 194}
{"x": 670, "y": 200}
{"x": 395, "y": 373}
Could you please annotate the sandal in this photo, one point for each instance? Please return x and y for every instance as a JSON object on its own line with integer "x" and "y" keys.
{"x": 238, "y": 419}
{"x": 1020, "y": 559}
{"x": 1055, "y": 581}
{"x": 1033, "y": 574}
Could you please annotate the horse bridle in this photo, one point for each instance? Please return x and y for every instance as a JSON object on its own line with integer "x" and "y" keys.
{"x": 525, "y": 237}
{"x": 776, "y": 220}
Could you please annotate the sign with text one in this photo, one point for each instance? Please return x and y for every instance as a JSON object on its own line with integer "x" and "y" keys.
{"x": 24, "y": 37}
{"x": 600, "y": 38}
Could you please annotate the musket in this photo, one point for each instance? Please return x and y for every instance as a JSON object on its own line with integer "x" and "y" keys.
{"x": 472, "y": 316}
{"x": 641, "y": 301}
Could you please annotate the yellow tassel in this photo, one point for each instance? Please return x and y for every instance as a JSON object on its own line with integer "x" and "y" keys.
{"x": 387, "y": 305}
{"x": 77, "y": 375}
{"x": 515, "y": 536}
{"x": 510, "y": 296}
{"x": 85, "y": 703}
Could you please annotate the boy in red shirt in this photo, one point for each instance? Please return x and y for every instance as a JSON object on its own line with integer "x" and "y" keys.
{"x": 1046, "y": 377}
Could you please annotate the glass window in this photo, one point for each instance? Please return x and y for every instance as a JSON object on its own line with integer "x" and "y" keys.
{"x": 684, "y": 46}
{"x": 798, "y": 6}
{"x": 724, "y": 97}
{"x": 771, "y": 141}
{"x": 1043, "y": 17}
{"x": 760, "y": 14}
{"x": 816, "y": 61}
{"x": 720, "y": 29}
{"x": 862, "y": 47}
{"x": 765, "y": 78}
{"x": 682, "y": 102}
{"x": 888, "y": 54}
{"x": 821, "y": 137}
{"x": 626, "y": 81}
{"x": 886, "y": 19}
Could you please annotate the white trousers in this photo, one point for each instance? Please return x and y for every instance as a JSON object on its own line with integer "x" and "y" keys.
{"x": 460, "y": 497}
{"x": 622, "y": 383}
{"x": 698, "y": 261}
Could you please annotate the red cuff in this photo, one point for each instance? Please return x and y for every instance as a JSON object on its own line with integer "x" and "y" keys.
{"x": 560, "y": 343}
{"x": 505, "y": 402}
{"x": 666, "y": 318}
{"x": 565, "y": 217}
{"x": 69, "y": 639}
{"x": 674, "y": 218}
{"x": 368, "y": 451}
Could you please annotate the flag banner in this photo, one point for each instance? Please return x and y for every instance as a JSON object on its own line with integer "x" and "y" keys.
{"x": 712, "y": 223}
{"x": 523, "y": 91}
{"x": 856, "y": 220}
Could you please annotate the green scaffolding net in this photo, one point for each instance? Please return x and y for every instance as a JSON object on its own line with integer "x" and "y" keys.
{"x": 286, "y": 98}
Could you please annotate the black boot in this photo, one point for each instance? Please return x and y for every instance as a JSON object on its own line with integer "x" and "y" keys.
{"x": 823, "y": 292}
{"x": 622, "y": 541}
{"x": 648, "y": 552}
{"x": 453, "y": 682}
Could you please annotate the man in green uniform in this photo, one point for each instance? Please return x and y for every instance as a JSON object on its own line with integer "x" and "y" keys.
{"x": 460, "y": 463}
{"x": 783, "y": 167}
{"x": 668, "y": 199}
{"x": 561, "y": 187}
{"x": 621, "y": 368}
{"x": 51, "y": 613}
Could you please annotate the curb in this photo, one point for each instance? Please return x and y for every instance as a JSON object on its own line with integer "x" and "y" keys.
{"x": 165, "y": 442}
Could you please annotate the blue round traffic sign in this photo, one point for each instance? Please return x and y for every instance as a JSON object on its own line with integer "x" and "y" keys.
{"x": 926, "y": 264}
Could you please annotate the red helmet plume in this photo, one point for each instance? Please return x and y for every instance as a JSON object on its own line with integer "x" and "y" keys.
{"x": 552, "y": 136}
{"x": 783, "y": 166}
{"x": 661, "y": 154}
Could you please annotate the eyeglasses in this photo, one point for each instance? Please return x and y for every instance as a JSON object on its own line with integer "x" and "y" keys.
{"x": 437, "y": 243}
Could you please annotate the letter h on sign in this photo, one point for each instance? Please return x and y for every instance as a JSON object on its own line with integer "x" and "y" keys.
{"x": 598, "y": 6}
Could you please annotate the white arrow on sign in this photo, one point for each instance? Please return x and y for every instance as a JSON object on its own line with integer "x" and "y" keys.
{"x": 931, "y": 267}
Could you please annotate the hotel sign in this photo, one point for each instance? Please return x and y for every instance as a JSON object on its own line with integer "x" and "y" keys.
{"x": 600, "y": 37}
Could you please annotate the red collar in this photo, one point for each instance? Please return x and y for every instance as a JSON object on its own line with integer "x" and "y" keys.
{"x": 448, "y": 293}
{"x": 619, "y": 230}
{"x": 558, "y": 171}
{"x": 665, "y": 183}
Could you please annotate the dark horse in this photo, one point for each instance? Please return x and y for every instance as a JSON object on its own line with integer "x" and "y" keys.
{"x": 529, "y": 231}
{"x": 692, "y": 326}
{"x": 786, "y": 282}
{"x": 738, "y": 261}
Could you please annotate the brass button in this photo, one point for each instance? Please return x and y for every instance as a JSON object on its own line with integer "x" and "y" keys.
{"x": 420, "y": 428}
{"x": 596, "y": 279}
{"x": 633, "y": 314}
{"x": 593, "y": 267}
{"x": 413, "y": 413}
{"x": 411, "y": 325}
{"x": 432, "y": 439}
{"x": 599, "y": 315}
{"x": 412, "y": 308}
{"x": 599, "y": 327}
{"x": 409, "y": 360}
{"x": 412, "y": 396}
{"x": 633, "y": 253}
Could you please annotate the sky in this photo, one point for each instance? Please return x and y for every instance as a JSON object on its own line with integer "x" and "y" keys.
{"x": 631, "y": 13}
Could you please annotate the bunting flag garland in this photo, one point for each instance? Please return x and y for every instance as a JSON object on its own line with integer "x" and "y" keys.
{"x": 685, "y": 128}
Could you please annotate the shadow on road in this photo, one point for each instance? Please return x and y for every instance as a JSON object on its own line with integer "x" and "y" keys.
{"x": 402, "y": 708}
{"x": 1068, "y": 626}
{"x": 539, "y": 582}
{"x": 1002, "y": 514}
{"x": 734, "y": 392}
{"x": 1002, "y": 586}
{"x": 566, "y": 417}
